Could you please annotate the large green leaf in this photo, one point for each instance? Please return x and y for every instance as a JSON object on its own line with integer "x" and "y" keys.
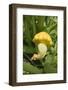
{"x": 31, "y": 69}
{"x": 48, "y": 59}
{"x": 50, "y": 69}
{"x": 50, "y": 64}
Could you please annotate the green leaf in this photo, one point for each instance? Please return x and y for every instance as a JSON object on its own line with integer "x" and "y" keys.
{"x": 50, "y": 64}
{"x": 33, "y": 26}
{"x": 52, "y": 50}
{"x": 48, "y": 59}
{"x": 53, "y": 32}
{"x": 52, "y": 27}
{"x": 41, "y": 23}
{"x": 54, "y": 63}
{"x": 50, "y": 69}
{"x": 28, "y": 49}
{"x": 31, "y": 69}
{"x": 27, "y": 30}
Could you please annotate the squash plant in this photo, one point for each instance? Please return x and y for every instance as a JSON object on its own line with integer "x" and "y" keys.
{"x": 31, "y": 26}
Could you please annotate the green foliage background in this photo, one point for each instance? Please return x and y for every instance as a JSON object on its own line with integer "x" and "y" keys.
{"x": 31, "y": 26}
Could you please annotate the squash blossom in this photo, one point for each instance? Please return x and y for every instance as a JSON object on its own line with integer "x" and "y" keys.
{"x": 43, "y": 40}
